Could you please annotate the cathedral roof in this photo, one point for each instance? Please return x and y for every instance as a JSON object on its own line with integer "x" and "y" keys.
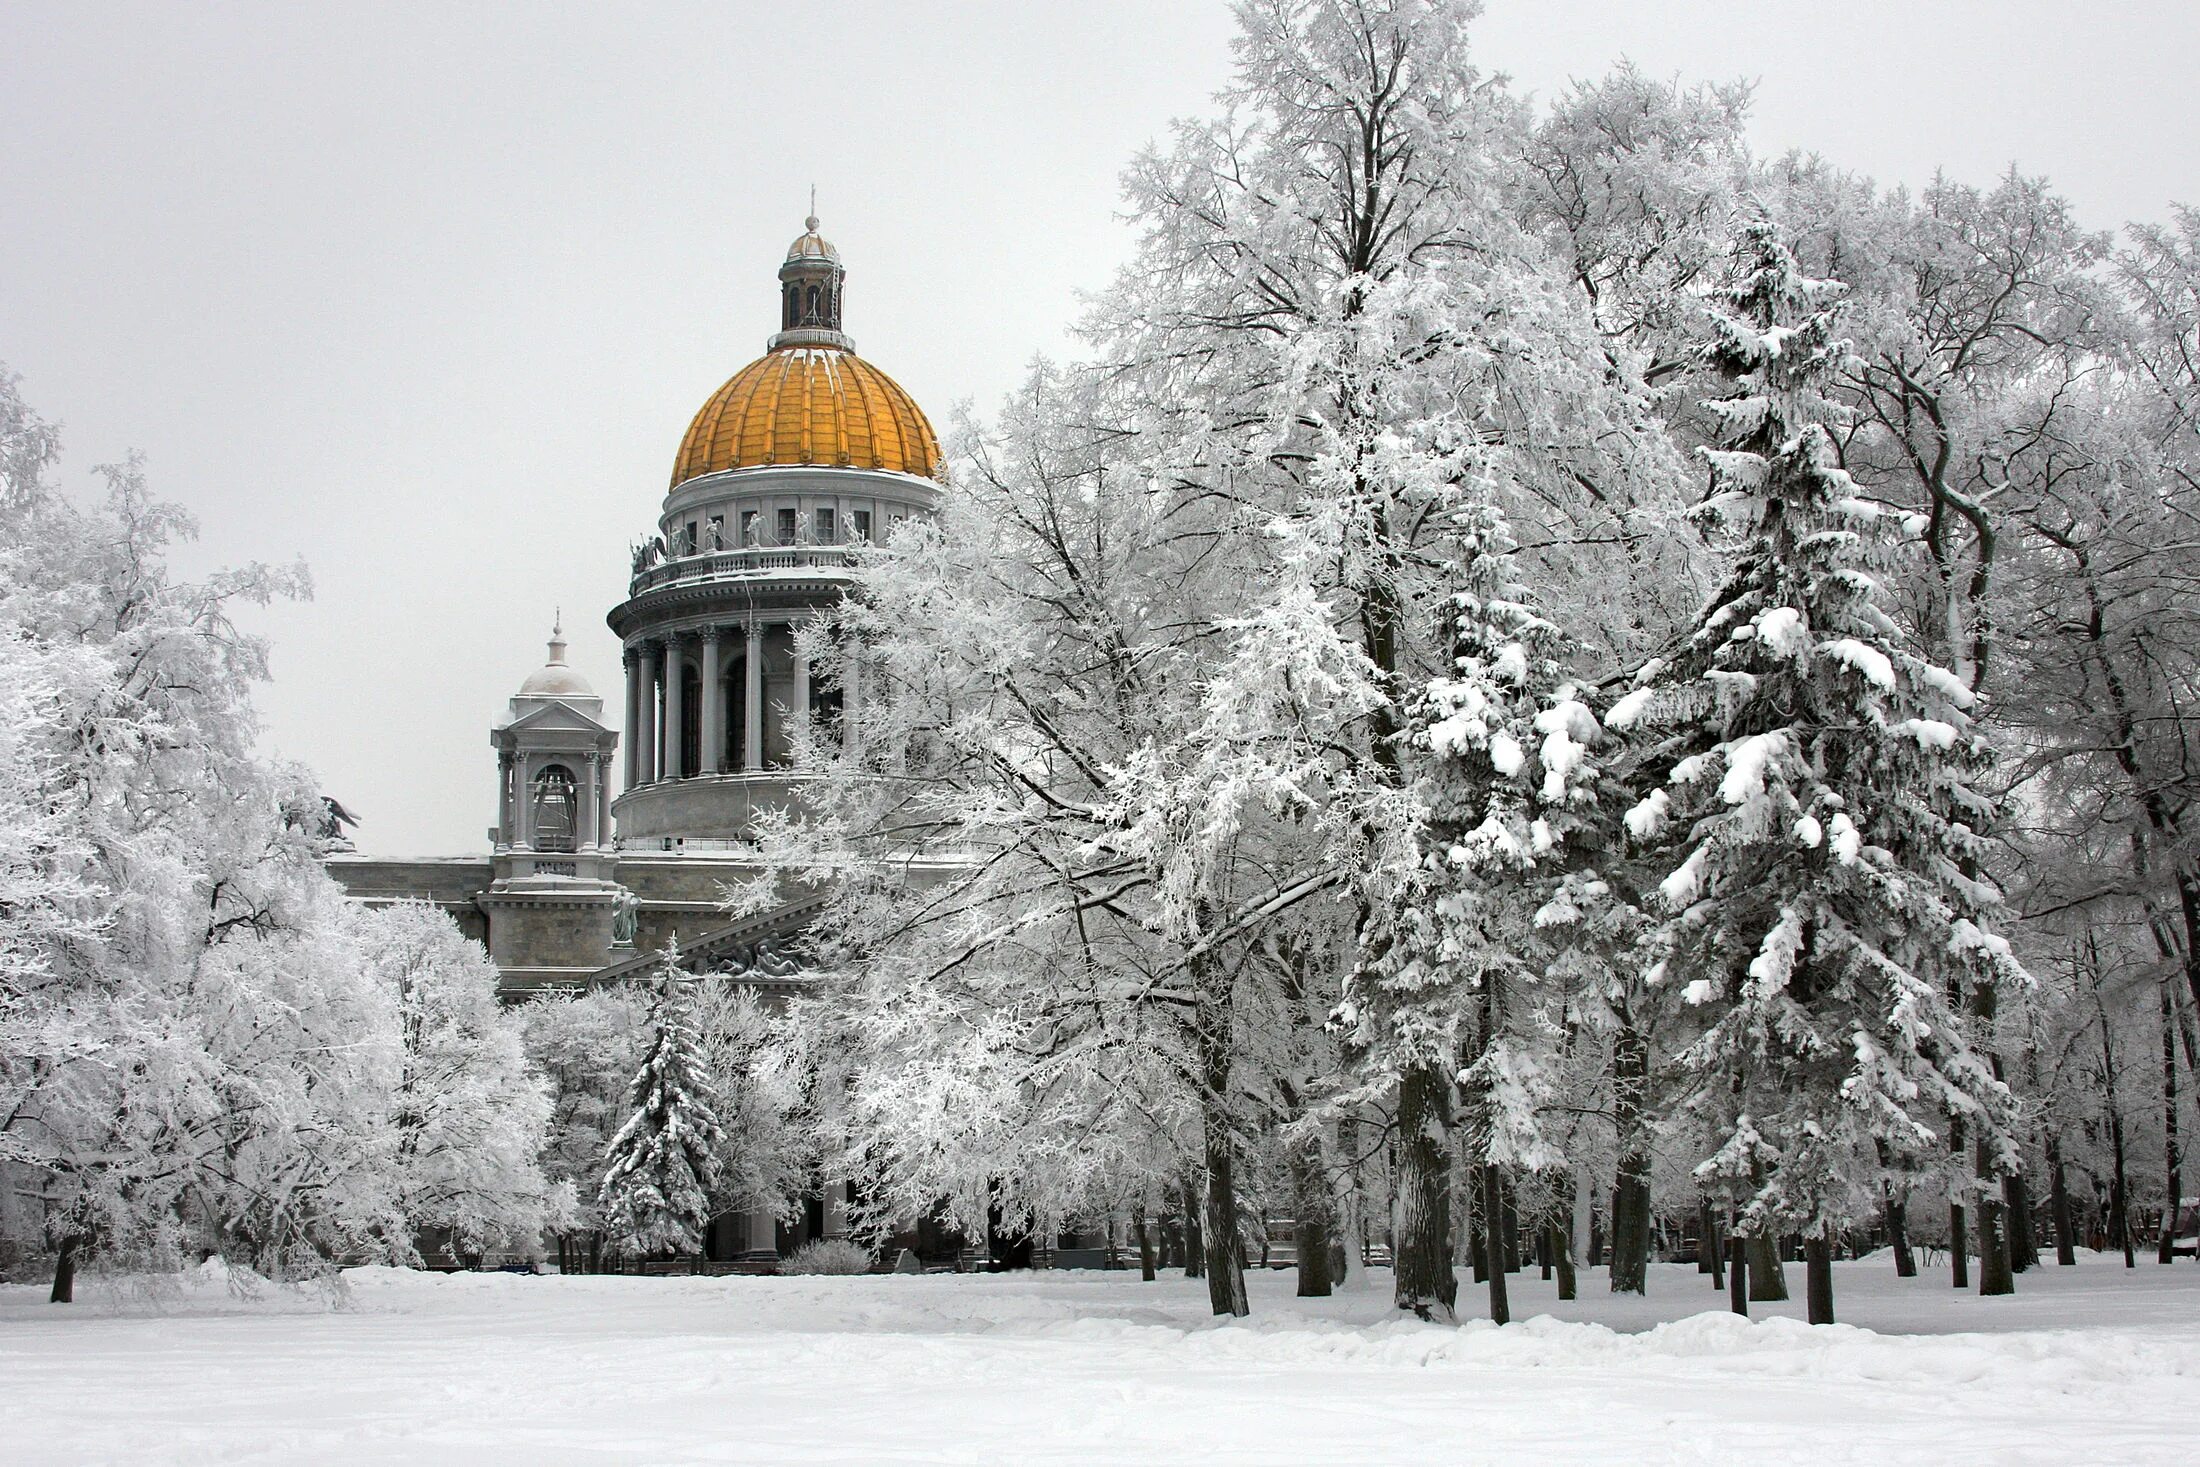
{"x": 808, "y": 405}
{"x": 809, "y": 399}
{"x": 555, "y": 679}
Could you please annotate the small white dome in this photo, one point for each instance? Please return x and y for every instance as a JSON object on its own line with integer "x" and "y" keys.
{"x": 556, "y": 679}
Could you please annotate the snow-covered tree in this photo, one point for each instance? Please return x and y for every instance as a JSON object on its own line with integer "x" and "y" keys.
{"x": 660, "y": 1167}
{"x": 1811, "y": 777}
{"x": 469, "y": 1112}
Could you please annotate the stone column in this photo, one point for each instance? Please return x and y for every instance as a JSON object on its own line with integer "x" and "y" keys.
{"x": 522, "y": 796}
{"x": 645, "y": 737}
{"x": 714, "y": 705}
{"x": 633, "y": 713}
{"x": 504, "y": 798}
{"x": 752, "y": 701}
{"x": 584, "y": 831}
{"x": 675, "y": 707}
{"x": 604, "y": 839}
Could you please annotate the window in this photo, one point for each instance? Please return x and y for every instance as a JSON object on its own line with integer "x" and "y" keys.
{"x": 554, "y": 809}
{"x": 824, "y": 521}
{"x": 786, "y": 526}
{"x": 748, "y": 527}
{"x": 692, "y": 542}
{"x": 860, "y": 521}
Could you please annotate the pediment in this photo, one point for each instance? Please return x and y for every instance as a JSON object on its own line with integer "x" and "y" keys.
{"x": 553, "y": 716}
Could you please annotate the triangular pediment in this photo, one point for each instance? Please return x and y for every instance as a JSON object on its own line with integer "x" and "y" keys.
{"x": 553, "y": 716}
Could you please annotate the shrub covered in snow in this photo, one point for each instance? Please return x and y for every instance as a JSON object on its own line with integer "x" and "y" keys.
{"x": 827, "y": 1255}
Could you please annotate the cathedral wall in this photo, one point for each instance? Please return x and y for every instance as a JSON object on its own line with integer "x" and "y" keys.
{"x": 452, "y": 883}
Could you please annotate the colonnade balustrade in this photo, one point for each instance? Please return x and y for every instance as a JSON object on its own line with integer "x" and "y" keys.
{"x": 724, "y": 669}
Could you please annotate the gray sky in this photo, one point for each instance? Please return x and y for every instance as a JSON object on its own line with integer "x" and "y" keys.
{"x": 426, "y": 293}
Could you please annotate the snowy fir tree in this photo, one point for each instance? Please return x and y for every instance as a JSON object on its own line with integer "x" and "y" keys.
{"x": 660, "y": 1168}
{"x": 1500, "y": 740}
{"x": 1811, "y": 786}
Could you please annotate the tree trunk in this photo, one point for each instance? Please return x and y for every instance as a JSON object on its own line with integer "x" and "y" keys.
{"x": 1493, "y": 1207}
{"x": 1767, "y": 1279}
{"x": 1818, "y": 1275}
{"x": 64, "y": 1270}
{"x": 1508, "y": 1219}
{"x": 1225, "y": 1255}
{"x": 2119, "y": 1196}
{"x": 1995, "y": 1275}
{"x": 2016, "y": 1201}
{"x": 1707, "y": 1252}
{"x": 1631, "y": 1192}
{"x": 2171, "y": 1159}
{"x": 1145, "y": 1251}
{"x": 1313, "y": 1225}
{"x": 1351, "y": 1232}
{"x": 1565, "y": 1223}
{"x": 2058, "y": 1192}
{"x": 1898, "y": 1232}
{"x": 1737, "y": 1270}
{"x": 1959, "y": 1247}
{"x": 1195, "y": 1243}
{"x": 1425, "y": 1283}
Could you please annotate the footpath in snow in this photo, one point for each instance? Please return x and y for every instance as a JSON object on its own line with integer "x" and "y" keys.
{"x": 2087, "y": 1365}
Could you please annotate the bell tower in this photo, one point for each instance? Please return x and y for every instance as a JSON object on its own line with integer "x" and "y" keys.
{"x": 552, "y": 903}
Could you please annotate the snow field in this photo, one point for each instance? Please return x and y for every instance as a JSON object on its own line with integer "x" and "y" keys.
{"x": 2088, "y": 1364}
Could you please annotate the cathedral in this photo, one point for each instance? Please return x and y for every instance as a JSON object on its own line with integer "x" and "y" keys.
{"x": 613, "y": 838}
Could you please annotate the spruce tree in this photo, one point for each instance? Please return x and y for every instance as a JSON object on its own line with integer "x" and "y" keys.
{"x": 1499, "y": 741}
{"x": 659, "y": 1168}
{"x": 1811, "y": 802}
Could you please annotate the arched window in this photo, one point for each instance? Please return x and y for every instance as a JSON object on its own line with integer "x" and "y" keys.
{"x": 813, "y": 303}
{"x": 554, "y": 809}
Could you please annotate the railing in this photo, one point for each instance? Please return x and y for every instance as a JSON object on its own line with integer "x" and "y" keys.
{"x": 754, "y": 560}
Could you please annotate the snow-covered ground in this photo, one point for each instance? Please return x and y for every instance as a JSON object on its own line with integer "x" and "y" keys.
{"x": 2091, "y": 1365}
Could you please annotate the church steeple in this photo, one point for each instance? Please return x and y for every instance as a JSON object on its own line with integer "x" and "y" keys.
{"x": 809, "y": 292}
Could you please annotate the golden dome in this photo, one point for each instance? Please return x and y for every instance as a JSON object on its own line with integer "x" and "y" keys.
{"x": 808, "y": 404}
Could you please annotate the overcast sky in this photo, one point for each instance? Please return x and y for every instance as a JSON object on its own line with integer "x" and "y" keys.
{"x": 426, "y": 294}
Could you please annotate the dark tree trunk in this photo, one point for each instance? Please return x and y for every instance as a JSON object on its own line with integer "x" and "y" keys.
{"x": 1767, "y": 1279}
{"x": 2016, "y": 1201}
{"x": 1476, "y": 1243}
{"x": 1508, "y": 1218}
{"x": 1145, "y": 1251}
{"x": 1225, "y": 1254}
{"x": 1737, "y": 1271}
{"x": 1314, "y": 1226}
{"x": 2058, "y": 1192}
{"x": 1563, "y": 1236}
{"x": 1631, "y": 1193}
{"x": 2119, "y": 1195}
{"x": 1195, "y": 1243}
{"x": 1351, "y": 1227}
{"x": 1898, "y": 1233}
{"x": 1425, "y": 1283}
{"x": 1995, "y": 1273}
{"x": 64, "y": 1270}
{"x": 1818, "y": 1276}
{"x": 1959, "y": 1246}
{"x": 2172, "y": 1160}
{"x": 1707, "y": 1253}
{"x": 1493, "y": 1207}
